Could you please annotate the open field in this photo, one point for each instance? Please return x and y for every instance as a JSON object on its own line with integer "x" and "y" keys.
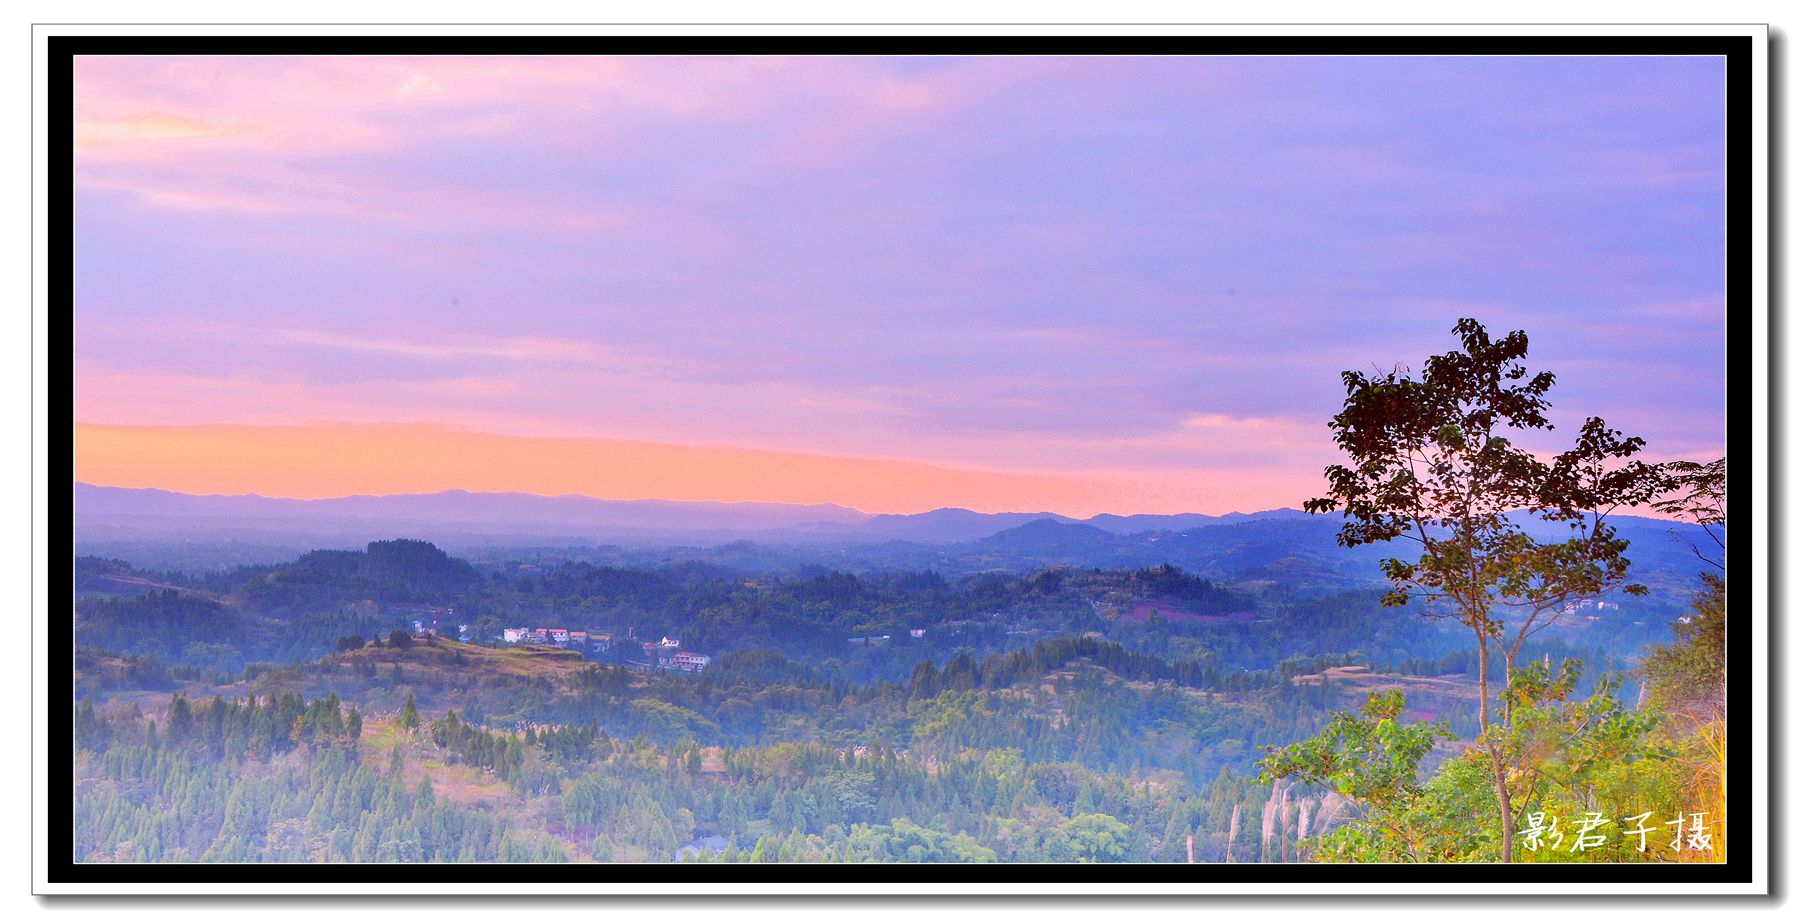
{"x": 1425, "y": 695}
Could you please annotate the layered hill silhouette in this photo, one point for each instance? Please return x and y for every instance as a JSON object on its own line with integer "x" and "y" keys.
{"x": 1283, "y": 547}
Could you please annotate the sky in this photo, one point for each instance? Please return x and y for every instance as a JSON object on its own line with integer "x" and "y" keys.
{"x": 1075, "y": 284}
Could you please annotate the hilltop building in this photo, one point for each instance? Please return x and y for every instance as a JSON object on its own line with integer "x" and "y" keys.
{"x": 686, "y": 661}
{"x": 562, "y": 638}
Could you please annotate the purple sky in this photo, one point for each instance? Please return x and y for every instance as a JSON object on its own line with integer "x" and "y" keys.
{"x": 1135, "y": 268}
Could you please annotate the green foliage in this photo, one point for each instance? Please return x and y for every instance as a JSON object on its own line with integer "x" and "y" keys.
{"x": 905, "y": 841}
{"x": 1573, "y": 756}
{"x": 1372, "y": 759}
{"x": 1688, "y": 674}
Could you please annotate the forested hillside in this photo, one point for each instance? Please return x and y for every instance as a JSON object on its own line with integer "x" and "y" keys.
{"x": 293, "y": 713}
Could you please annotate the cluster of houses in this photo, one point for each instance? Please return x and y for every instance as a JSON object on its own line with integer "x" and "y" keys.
{"x": 1594, "y": 605}
{"x": 658, "y": 655}
{"x": 561, "y": 638}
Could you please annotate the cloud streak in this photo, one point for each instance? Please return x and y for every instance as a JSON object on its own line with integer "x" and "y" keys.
{"x": 334, "y": 460}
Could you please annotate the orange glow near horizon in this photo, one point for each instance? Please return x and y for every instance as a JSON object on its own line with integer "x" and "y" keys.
{"x": 333, "y": 460}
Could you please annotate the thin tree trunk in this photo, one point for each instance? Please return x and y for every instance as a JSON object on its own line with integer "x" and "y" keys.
{"x": 1505, "y": 796}
{"x": 1231, "y": 837}
{"x": 1493, "y": 747}
{"x": 1287, "y": 822}
{"x": 1268, "y": 818}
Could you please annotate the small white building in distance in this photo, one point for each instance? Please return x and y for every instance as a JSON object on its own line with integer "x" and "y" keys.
{"x": 687, "y": 660}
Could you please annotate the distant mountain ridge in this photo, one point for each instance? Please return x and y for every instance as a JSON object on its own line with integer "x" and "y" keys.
{"x": 440, "y": 515}
{"x": 1286, "y": 549}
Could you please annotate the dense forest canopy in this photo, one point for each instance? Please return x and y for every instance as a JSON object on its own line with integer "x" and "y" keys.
{"x": 1057, "y": 714}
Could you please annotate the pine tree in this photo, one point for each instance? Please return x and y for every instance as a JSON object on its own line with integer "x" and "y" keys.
{"x": 88, "y": 729}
